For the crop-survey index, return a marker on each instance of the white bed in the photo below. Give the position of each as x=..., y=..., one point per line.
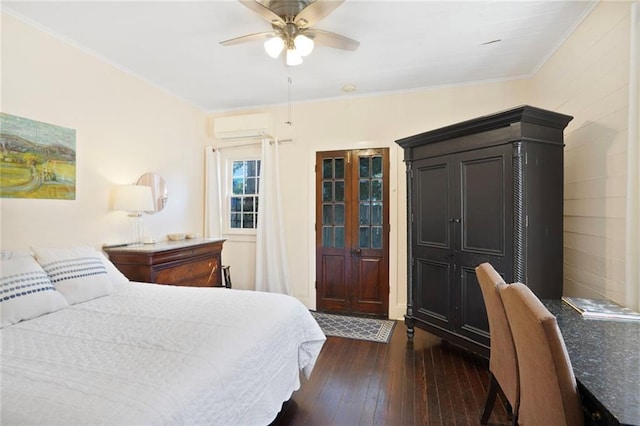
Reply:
x=152, y=354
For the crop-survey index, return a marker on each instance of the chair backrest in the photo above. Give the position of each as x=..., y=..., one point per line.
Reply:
x=548, y=389
x=502, y=361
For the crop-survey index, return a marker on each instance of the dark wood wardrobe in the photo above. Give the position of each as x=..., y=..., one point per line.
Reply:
x=488, y=189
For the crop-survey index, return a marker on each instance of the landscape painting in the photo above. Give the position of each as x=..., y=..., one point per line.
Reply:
x=37, y=160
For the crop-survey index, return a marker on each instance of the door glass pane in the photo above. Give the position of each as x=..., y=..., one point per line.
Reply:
x=327, y=214
x=251, y=168
x=339, y=190
x=376, y=167
x=364, y=214
x=364, y=167
x=339, y=168
x=364, y=190
x=376, y=237
x=339, y=231
x=339, y=212
x=376, y=190
x=376, y=214
x=327, y=168
x=327, y=191
x=364, y=237
x=327, y=236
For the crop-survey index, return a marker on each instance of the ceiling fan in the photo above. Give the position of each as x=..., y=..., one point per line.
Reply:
x=291, y=21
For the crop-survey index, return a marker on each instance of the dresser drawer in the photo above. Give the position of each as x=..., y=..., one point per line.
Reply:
x=188, y=263
x=203, y=272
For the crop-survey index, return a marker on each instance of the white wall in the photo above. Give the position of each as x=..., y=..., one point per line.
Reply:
x=124, y=128
x=588, y=78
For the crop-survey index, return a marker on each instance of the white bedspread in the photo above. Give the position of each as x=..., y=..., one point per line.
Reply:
x=151, y=354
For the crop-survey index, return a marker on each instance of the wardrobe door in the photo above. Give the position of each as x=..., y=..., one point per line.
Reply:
x=483, y=217
x=433, y=242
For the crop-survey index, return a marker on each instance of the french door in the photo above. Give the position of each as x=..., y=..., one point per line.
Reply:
x=352, y=232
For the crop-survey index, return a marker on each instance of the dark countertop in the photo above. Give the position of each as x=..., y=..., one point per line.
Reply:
x=605, y=356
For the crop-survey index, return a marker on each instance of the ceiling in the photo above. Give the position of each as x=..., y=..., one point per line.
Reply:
x=404, y=45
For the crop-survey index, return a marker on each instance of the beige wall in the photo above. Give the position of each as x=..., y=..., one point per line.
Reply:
x=124, y=128
x=588, y=77
x=358, y=123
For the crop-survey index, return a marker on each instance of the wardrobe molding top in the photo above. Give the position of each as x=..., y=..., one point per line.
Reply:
x=522, y=114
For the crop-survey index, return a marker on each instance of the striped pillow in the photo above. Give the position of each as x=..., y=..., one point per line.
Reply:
x=78, y=273
x=26, y=291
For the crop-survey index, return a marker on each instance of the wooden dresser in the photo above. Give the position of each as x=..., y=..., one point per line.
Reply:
x=194, y=262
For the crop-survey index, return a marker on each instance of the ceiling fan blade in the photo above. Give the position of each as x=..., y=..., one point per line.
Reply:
x=263, y=11
x=247, y=38
x=316, y=11
x=337, y=41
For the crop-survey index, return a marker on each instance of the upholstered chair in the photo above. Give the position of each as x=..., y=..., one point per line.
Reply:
x=503, y=367
x=548, y=389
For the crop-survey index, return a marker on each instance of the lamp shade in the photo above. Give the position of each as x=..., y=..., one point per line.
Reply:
x=293, y=57
x=304, y=45
x=133, y=198
x=274, y=46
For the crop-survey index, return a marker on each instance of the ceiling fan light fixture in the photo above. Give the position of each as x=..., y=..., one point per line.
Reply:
x=293, y=57
x=304, y=45
x=274, y=46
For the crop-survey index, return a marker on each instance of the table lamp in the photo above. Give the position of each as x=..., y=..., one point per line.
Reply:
x=134, y=199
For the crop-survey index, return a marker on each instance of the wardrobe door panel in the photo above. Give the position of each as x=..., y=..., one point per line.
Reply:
x=483, y=177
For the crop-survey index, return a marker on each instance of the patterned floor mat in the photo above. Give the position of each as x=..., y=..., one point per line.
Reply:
x=375, y=330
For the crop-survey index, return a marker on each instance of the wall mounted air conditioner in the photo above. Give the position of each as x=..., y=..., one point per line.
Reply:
x=248, y=126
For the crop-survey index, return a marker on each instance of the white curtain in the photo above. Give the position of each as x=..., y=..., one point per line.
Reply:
x=632, y=258
x=213, y=194
x=271, y=257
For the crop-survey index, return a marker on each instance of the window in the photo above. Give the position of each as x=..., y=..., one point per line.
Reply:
x=243, y=201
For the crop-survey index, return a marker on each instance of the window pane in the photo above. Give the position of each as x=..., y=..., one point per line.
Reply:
x=327, y=168
x=376, y=214
x=251, y=168
x=236, y=205
x=250, y=186
x=364, y=167
x=376, y=237
x=237, y=186
x=364, y=190
x=327, y=214
x=376, y=190
x=364, y=214
x=339, y=168
x=258, y=168
x=327, y=191
x=238, y=169
x=339, y=211
x=247, y=220
x=247, y=204
x=376, y=167
x=236, y=220
x=339, y=230
x=339, y=190
x=327, y=236
x=364, y=237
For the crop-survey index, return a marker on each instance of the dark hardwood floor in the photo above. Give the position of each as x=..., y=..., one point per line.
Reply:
x=365, y=383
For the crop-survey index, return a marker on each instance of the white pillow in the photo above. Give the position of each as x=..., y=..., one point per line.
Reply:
x=26, y=291
x=78, y=273
x=114, y=273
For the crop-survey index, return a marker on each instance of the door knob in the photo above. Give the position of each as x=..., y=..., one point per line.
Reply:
x=355, y=252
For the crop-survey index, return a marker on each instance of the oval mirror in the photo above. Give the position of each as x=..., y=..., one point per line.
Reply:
x=158, y=190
